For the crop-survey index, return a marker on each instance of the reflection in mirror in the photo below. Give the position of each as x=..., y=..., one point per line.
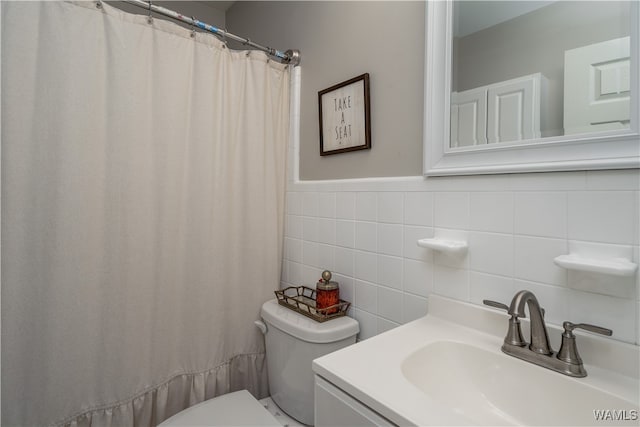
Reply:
x=525, y=70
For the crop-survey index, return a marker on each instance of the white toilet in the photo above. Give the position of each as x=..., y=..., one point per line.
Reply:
x=292, y=341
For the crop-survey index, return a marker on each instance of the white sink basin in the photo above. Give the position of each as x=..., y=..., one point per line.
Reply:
x=496, y=389
x=447, y=369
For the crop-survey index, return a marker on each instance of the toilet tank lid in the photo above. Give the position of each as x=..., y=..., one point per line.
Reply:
x=307, y=329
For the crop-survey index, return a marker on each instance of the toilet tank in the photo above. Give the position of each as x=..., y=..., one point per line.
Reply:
x=292, y=341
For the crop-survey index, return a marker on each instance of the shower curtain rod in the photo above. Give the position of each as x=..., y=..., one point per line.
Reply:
x=291, y=56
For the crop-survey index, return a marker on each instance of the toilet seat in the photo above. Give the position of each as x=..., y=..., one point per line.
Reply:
x=234, y=409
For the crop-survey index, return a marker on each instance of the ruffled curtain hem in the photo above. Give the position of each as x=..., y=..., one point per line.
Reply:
x=155, y=404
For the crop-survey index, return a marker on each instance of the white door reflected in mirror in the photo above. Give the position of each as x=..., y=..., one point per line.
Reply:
x=597, y=87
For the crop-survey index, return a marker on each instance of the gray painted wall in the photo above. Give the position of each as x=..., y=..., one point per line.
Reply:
x=536, y=42
x=338, y=41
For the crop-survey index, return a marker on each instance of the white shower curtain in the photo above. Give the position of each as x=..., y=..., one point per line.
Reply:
x=143, y=176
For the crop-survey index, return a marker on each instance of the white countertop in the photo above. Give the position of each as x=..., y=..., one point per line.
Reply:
x=371, y=372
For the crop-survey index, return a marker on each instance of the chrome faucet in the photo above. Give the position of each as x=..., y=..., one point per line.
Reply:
x=539, y=336
x=567, y=361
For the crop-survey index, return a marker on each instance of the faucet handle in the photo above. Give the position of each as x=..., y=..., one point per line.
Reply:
x=495, y=304
x=505, y=307
x=569, y=327
x=502, y=306
x=514, y=334
x=569, y=351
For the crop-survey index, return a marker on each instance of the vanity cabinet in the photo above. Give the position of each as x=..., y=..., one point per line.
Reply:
x=334, y=407
x=501, y=112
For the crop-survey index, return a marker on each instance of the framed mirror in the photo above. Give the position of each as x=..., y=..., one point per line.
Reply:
x=531, y=86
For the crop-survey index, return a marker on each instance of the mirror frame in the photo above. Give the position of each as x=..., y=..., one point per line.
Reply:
x=598, y=150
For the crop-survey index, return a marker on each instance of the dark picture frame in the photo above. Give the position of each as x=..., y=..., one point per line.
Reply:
x=345, y=116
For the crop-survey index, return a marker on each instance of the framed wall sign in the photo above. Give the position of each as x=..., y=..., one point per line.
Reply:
x=345, y=118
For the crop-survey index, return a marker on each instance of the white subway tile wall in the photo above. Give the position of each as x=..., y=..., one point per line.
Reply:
x=492, y=212
x=345, y=233
x=365, y=231
x=327, y=231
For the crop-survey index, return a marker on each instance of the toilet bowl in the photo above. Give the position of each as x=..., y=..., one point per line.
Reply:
x=239, y=408
x=292, y=341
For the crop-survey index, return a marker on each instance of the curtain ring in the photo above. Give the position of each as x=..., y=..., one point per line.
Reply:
x=193, y=27
x=150, y=18
x=99, y=4
x=224, y=38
